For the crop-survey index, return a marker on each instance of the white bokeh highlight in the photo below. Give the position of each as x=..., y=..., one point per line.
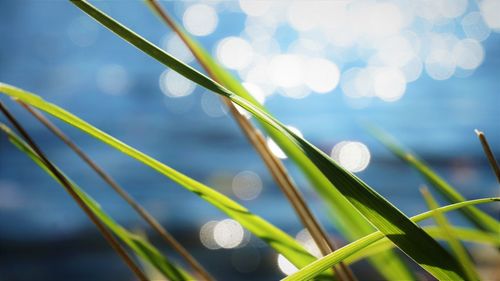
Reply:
x=275, y=149
x=285, y=265
x=234, y=53
x=228, y=234
x=352, y=155
x=174, y=85
x=113, y=79
x=247, y=185
x=200, y=19
x=322, y=76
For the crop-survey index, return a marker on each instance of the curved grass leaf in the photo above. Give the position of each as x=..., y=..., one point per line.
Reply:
x=463, y=234
x=349, y=222
x=410, y=238
x=341, y=254
x=476, y=216
x=141, y=247
x=270, y=234
x=455, y=245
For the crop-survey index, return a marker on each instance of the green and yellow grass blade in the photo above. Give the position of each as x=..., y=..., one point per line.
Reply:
x=463, y=234
x=270, y=234
x=315, y=268
x=476, y=216
x=410, y=238
x=455, y=245
x=141, y=247
x=350, y=223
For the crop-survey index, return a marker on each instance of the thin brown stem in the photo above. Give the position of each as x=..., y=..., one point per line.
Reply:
x=68, y=187
x=489, y=154
x=118, y=189
x=276, y=167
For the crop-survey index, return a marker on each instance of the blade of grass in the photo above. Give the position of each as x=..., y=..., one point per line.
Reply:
x=410, y=238
x=315, y=268
x=349, y=221
x=120, y=191
x=272, y=235
x=457, y=248
x=141, y=247
x=275, y=166
x=67, y=185
x=489, y=154
x=476, y=216
x=464, y=234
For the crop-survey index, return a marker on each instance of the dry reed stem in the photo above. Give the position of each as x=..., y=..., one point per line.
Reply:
x=118, y=189
x=67, y=185
x=489, y=154
x=277, y=169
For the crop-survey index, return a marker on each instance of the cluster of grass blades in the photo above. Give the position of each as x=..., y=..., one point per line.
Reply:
x=371, y=223
x=475, y=216
x=350, y=223
x=138, y=245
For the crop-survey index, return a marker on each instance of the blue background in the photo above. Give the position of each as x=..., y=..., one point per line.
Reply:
x=43, y=234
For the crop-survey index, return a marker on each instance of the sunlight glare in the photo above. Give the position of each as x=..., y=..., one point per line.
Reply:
x=352, y=155
x=234, y=52
x=200, y=19
x=228, y=234
x=440, y=64
x=286, y=266
x=468, y=54
x=322, y=76
x=389, y=84
x=474, y=26
x=286, y=70
x=174, y=85
x=490, y=10
x=275, y=149
x=247, y=185
x=174, y=45
x=207, y=235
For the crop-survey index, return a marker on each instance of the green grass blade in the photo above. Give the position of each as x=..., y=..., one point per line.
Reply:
x=411, y=239
x=275, y=237
x=456, y=246
x=476, y=216
x=463, y=234
x=315, y=268
x=141, y=247
x=350, y=223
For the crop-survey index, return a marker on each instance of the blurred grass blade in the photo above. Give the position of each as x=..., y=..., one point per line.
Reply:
x=274, y=165
x=489, y=154
x=463, y=234
x=141, y=211
x=108, y=236
x=141, y=247
x=350, y=223
x=456, y=246
x=476, y=216
x=410, y=238
x=275, y=237
x=315, y=268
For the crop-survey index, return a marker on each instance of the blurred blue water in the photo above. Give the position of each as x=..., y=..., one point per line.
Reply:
x=434, y=118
